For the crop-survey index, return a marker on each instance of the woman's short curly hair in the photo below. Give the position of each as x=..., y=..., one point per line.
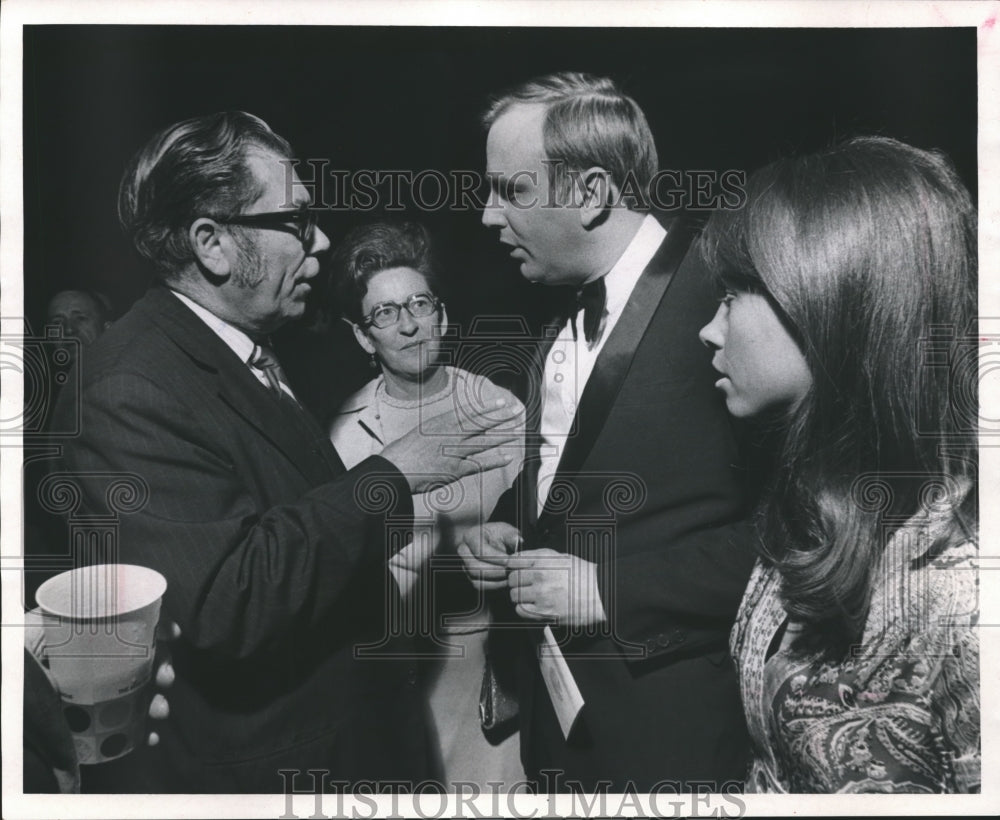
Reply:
x=369, y=249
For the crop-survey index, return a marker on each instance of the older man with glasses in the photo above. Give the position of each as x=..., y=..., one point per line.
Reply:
x=275, y=557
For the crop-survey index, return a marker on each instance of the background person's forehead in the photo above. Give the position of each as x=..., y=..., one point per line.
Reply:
x=399, y=278
x=73, y=300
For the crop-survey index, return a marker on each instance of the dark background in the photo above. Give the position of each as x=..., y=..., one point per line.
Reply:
x=409, y=98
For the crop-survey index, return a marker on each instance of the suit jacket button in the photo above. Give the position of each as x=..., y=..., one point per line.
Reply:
x=411, y=677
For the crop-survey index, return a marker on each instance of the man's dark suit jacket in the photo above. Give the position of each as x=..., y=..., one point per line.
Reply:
x=647, y=487
x=275, y=569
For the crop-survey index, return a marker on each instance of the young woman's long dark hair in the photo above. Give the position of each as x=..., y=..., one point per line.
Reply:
x=868, y=252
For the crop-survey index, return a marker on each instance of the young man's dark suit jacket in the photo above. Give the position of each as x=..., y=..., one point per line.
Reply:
x=651, y=449
x=275, y=570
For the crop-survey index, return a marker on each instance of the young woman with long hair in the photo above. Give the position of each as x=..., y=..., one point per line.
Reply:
x=847, y=328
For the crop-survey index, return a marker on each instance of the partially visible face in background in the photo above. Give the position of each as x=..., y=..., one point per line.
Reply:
x=79, y=316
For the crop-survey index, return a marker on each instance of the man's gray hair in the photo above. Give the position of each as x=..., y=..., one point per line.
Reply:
x=190, y=169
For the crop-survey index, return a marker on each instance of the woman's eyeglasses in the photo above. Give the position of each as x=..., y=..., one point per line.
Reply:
x=386, y=314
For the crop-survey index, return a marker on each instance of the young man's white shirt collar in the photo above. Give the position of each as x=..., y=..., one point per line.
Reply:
x=569, y=363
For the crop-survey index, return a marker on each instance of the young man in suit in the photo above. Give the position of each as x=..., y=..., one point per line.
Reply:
x=275, y=557
x=628, y=520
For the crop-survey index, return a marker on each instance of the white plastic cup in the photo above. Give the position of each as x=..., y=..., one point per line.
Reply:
x=100, y=642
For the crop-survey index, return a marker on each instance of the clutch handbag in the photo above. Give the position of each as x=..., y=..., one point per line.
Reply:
x=497, y=705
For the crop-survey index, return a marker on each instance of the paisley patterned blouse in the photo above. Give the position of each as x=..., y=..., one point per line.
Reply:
x=900, y=712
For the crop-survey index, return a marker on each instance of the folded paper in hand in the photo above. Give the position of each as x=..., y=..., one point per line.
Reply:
x=563, y=691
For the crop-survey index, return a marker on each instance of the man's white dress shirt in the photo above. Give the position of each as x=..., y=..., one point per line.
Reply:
x=570, y=362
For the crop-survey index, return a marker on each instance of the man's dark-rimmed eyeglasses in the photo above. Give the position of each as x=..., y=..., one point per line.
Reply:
x=303, y=222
